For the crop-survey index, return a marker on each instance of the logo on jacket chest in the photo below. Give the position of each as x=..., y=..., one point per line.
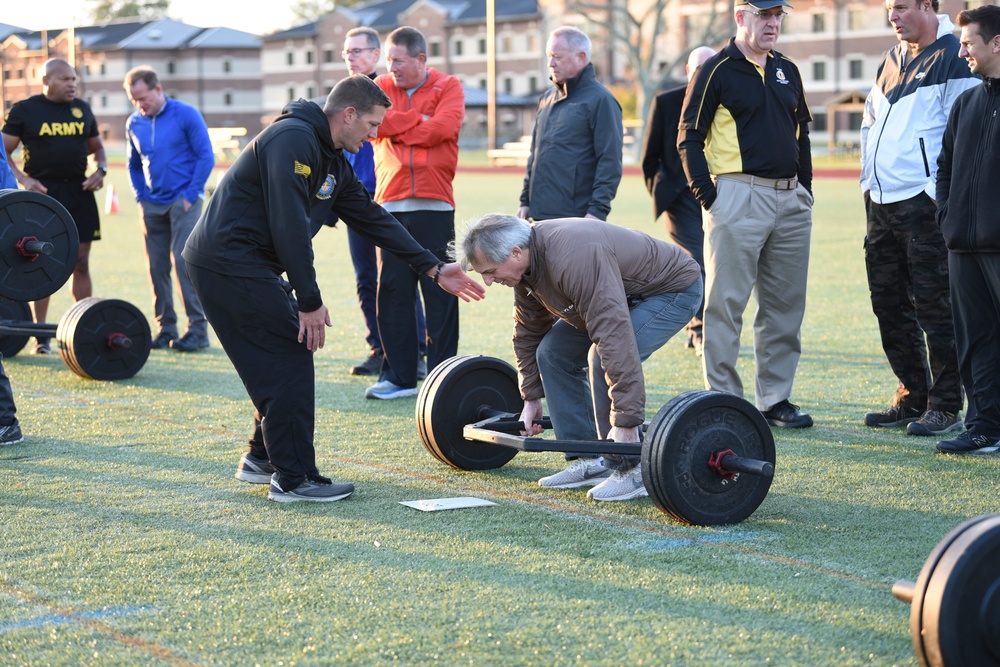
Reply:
x=326, y=191
x=780, y=74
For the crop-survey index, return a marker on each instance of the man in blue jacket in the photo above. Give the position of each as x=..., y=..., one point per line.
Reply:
x=967, y=199
x=170, y=158
x=10, y=430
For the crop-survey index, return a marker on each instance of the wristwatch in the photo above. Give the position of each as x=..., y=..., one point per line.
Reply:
x=101, y=168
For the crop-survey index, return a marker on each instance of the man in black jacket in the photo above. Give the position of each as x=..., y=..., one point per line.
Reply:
x=967, y=199
x=575, y=163
x=666, y=182
x=258, y=225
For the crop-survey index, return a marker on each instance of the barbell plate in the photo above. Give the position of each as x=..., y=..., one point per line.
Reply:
x=675, y=452
x=31, y=214
x=13, y=311
x=961, y=602
x=451, y=397
x=84, y=335
x=920, y=587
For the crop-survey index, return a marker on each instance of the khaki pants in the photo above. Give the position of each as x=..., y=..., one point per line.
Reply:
x=756, y=242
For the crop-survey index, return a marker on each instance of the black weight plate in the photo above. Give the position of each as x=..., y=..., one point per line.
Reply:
x=25, y=214
x=961, y=604
x=450, y=399
x=85, y=332
x=920, y=587
x=679, y=441
x=13, y=311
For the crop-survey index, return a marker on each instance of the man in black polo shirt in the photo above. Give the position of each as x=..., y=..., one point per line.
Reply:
x=59, y=131
x=744, y=143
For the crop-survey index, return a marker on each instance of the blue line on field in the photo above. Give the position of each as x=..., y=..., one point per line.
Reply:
x=63, y=619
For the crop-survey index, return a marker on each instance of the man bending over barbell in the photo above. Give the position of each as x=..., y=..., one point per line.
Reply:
x=592, y=301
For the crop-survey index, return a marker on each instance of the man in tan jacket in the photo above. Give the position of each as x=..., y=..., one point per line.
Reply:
x=592, y=301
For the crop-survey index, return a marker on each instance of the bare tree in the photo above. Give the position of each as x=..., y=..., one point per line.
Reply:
x=640, y=26
x=311, y=10
x=102, y=11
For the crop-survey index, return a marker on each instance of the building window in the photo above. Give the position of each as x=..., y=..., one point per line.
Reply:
x=227, y=65
x=508, y=85
x=291, y=94
x=482, y=84
x=819, y=22
x=310, y=92
x=435, y=49
x=855, y=118
x=856, y=69
x=532, y=83
x=309, y=57
x=227, y=99
x=104, y=68
x=856, y=19
x=819, y=71
x=104, y=101
x=328, y=55
x=507, y=44
x=171, y=67
x=290, y=58
x=532, y=43
x=458, y=47
x=482, y=46
x=819, y=121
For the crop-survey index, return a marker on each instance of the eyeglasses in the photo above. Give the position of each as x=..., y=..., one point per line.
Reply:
x=356, y=52
x=767, y=16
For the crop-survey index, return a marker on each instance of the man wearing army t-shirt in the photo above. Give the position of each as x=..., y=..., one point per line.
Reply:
x=58, y=132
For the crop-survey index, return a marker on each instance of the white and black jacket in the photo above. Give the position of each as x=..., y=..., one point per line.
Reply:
x=905, y=116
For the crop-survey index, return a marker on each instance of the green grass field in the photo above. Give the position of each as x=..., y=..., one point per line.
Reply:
x=126, y=540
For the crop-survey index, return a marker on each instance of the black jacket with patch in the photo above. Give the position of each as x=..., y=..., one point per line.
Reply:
x=261, y=219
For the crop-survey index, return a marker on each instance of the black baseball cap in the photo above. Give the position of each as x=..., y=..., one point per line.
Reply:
x=763, y=4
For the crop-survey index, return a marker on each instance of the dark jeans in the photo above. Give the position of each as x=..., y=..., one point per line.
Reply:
x=908, y=278
x=397, y=286
x=366, y=276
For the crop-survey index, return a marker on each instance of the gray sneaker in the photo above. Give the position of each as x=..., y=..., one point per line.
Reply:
x=622, y=485
x=11, y=434
x=254, y=470
x=386, y=391
x=317, y=490
x=582, y=472
x=935, y=422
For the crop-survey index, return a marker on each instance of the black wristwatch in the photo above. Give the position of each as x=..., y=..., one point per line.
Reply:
x=102, y=169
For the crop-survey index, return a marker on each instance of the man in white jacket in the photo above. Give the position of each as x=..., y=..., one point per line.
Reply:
x=906, y=113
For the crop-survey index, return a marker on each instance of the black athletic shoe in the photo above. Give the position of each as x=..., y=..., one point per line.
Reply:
x=370, y=366
x=11, y=434
x=163, y=341
x=190, y=342
x=314, y=489
x=786, y=415
x=254, y=470
x=897, y=415
x=935, y=422
x=41, y=346
x=969, y=443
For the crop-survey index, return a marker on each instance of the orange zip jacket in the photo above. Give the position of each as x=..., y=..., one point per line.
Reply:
x=416, y=157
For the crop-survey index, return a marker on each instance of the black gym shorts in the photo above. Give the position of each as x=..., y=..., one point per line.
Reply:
x=82, y=207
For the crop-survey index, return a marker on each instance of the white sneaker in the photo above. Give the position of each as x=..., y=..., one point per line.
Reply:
x=582, y=472
x=386, y=390
x=622, y=485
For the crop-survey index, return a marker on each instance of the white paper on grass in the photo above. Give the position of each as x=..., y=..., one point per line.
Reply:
x=437, y=504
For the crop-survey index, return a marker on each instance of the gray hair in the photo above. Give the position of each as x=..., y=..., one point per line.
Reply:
x=576, y=40
x=373, y=39
x=491, y=238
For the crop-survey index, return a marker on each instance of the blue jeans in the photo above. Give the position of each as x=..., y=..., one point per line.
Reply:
x=570, y=366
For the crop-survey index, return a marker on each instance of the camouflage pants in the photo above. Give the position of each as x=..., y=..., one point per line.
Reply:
x=908, y=278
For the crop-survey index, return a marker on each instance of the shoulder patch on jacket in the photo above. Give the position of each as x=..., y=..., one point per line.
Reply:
x=302, y=169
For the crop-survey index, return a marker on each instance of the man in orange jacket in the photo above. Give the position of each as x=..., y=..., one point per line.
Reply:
x=416, y=153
